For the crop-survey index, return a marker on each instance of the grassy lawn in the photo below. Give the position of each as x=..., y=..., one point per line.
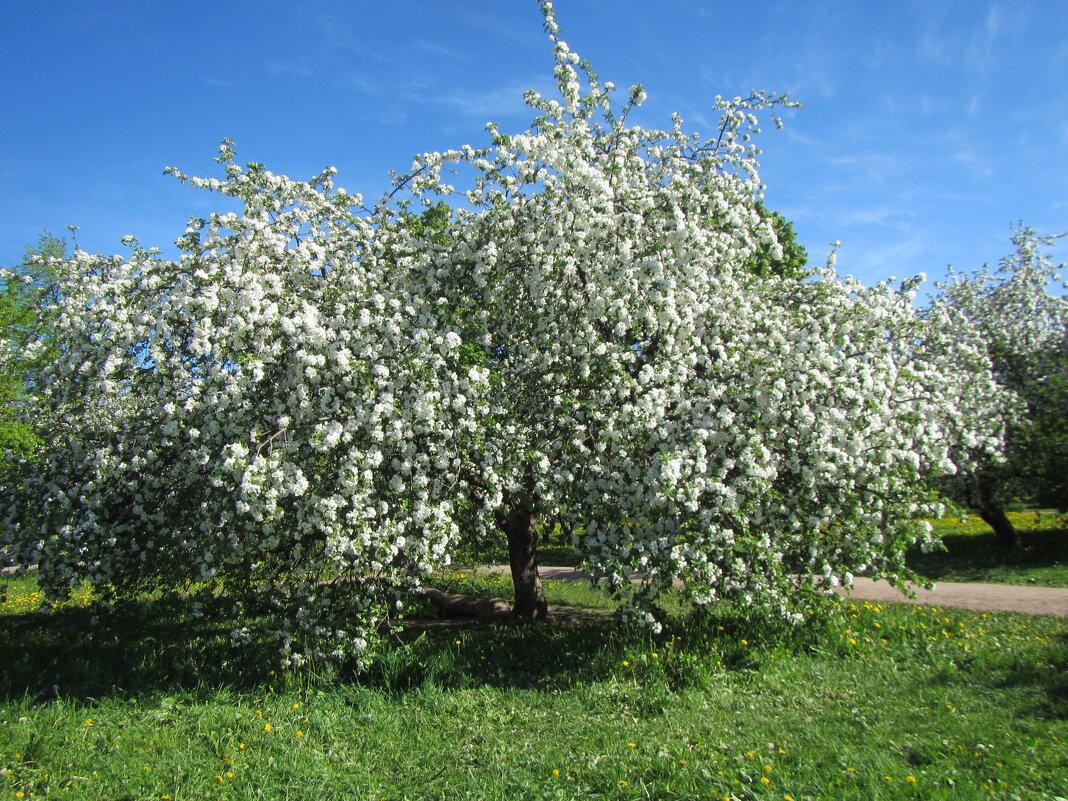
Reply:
x=876, y=702
x=973, y=554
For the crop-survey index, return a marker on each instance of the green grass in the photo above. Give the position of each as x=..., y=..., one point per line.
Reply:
x=874, y=702
x=973, y=554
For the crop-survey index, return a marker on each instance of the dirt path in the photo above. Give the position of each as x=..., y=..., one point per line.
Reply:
x=983, y=597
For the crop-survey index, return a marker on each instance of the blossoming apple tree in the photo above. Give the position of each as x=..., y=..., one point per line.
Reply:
x=1023, y=328
x=313, y=399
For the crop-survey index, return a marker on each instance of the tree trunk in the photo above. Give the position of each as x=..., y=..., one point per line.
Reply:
x=993, y=514
x=520, y=523
x=995, y=517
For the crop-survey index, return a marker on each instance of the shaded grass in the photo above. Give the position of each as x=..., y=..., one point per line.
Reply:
x=863, y=702
x=973, y=553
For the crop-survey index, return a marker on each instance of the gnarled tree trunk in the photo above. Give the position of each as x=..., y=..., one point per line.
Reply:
x=519, y=521
x=993, y=514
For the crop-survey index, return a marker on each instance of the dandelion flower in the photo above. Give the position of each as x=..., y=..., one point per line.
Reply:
x=556, y=772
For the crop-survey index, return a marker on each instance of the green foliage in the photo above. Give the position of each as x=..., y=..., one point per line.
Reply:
x=26, y=305
x=794, y=261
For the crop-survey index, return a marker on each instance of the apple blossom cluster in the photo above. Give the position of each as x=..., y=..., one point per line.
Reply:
x=314, y=398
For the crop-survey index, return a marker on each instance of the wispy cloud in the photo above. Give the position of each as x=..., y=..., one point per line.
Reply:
x=439, y=50
x=973, y=41
x=289, y=69
x=503, y=101
x=220, y=82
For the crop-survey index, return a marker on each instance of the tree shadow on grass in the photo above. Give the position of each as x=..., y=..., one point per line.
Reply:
x=979, y=557
x=149, y=648
x=128, y=648
x=1048, y=678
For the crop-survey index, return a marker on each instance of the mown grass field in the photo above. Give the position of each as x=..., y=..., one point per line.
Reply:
x=140, y=701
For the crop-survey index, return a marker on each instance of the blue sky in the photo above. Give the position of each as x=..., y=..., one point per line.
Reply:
x=929, y=126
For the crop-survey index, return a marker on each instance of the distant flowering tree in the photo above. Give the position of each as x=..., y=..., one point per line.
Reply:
x=1023, y=328
x=316, y=395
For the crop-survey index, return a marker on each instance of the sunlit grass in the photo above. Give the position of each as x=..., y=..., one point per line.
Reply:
x=140, y=699
x=973, y=553
x=874, y=701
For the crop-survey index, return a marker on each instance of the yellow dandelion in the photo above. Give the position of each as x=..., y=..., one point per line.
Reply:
x=626, y=663
x=622, y=783
x=268, y=727
x=655, y=655
x=632, y=745
x=240, y=746
x=219, y=779
x=767, y=768
x=765, y=780
x=296, y=706
x=298, y=733
x=911, y=779
x=556, y=772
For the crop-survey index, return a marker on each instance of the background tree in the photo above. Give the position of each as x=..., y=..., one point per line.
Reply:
x=792, y=263
x=27, y=300
x=1023, y=329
